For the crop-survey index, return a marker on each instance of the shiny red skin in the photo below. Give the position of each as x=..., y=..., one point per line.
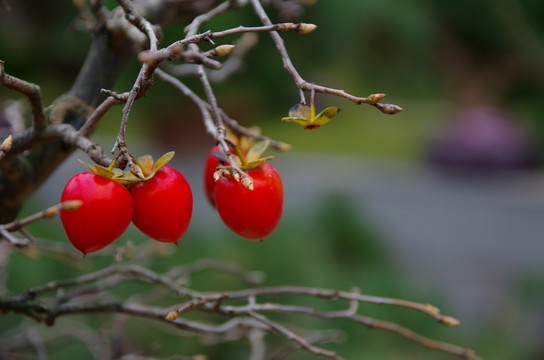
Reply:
x=163, y=206
x=252, y=214
x=209, y=169
x=104, y=216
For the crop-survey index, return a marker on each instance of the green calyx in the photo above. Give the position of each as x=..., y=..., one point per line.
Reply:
x=251, y=160
x=145, y=163
x=305, y=115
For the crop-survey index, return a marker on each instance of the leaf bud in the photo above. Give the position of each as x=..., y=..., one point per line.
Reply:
x=136, y=171
x=391, y=109
x=71, y=205
x=284, y=147
x=223, y=50
x=50, y=212
x=450, y=321
x=6, y=144
x=171, y=316
x=375, y=98
x=217, y=175
x=247, y=182
x=304, y=28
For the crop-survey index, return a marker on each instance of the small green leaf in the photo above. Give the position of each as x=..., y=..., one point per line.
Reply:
x=255, y=163
x=128, y=178
x=163, y=160
x=117, y=173
x=326, y=115
x=300, y=121
x=99, y=170
x=257, y=150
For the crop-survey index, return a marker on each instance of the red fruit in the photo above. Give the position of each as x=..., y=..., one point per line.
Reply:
x=252, y=214
x=104, y=215
x=163, y=205
x=209, y=169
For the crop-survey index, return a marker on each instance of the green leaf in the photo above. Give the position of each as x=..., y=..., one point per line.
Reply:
x=300, y=121
x=163, y=160
x=257, y=150
x=99, y=170
x=255, y=163
x=128, y=178
x=326, y=115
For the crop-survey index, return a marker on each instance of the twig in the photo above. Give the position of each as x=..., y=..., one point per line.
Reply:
x=280, y=329
x=250, y=277
x=6, y=229
x=204, y=108
x=101, y=280
x=221, y=136
x=258, y=345
x=31, y=91
x=201, y=19
x=230, y=66
x=241, y=130
x=303, y=84
x=140, y=22
x=97, y=114
x=427, y=309
x=185, y=90
x=350, y=315
x=141, y=85
x=320, y=337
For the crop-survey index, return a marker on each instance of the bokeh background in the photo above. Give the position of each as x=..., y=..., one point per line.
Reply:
x=442, y=203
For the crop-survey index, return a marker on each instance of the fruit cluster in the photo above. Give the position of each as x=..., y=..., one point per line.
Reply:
x=161, y=207
x=160, y=204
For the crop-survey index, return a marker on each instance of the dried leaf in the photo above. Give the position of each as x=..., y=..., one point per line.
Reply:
x=300, y=111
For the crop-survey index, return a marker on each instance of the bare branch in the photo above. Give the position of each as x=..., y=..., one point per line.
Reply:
x=250, y=277
x=303, y=84
x=6, y=229
x=102, y=109
x=280, y=329
x=141, y=23
x=31, y=91
x=185, y=90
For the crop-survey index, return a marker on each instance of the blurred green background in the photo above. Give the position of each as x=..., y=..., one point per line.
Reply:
x=441, y=203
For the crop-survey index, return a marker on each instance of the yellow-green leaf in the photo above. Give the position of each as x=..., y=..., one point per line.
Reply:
x=257, y=150
x=300, y=121
x=163, y=160
x=326, y=115
x=253, y=164
x=99, y=170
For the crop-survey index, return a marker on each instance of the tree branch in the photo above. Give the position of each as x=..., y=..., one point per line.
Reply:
x=31, y=91
x=303, y=84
